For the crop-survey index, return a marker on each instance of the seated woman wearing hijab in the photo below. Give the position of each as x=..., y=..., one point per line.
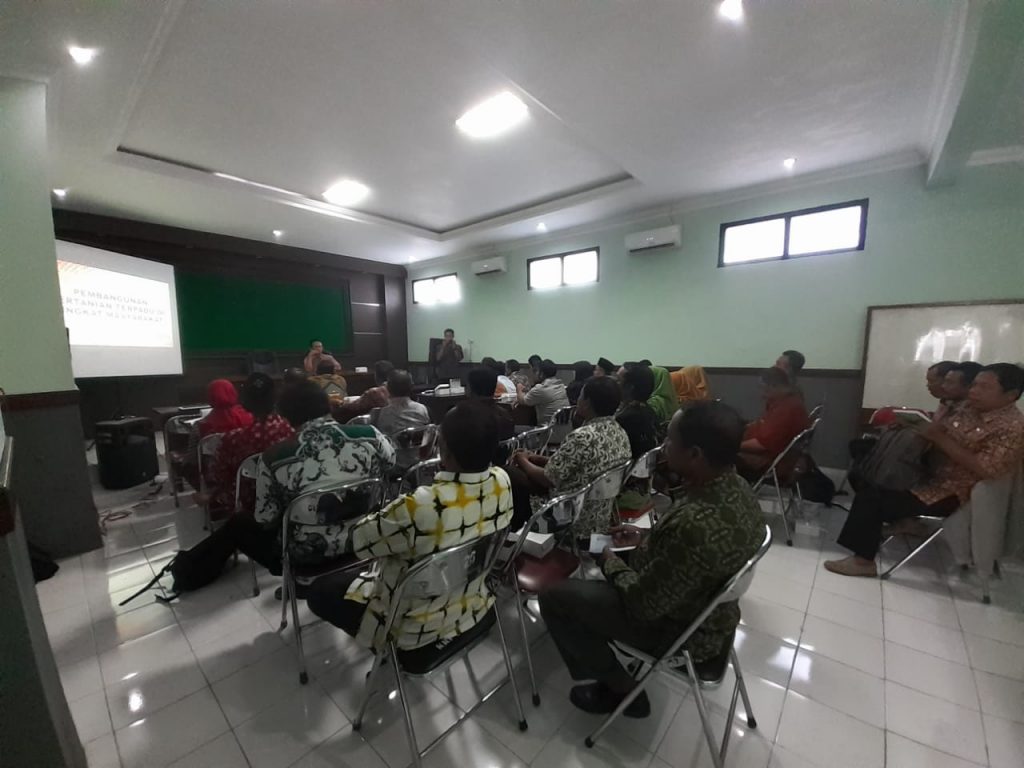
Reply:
x=225, y=415
x=690, y=383
x=582, y=371
x=663, y=400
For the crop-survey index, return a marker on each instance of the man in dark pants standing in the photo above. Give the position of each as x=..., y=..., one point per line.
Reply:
x=702, y=541
x=978, y=441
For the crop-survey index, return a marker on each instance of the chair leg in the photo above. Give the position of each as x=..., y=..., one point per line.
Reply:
x=303, y=674
x=641, y=685
x=702, y=710
x=526, y=644
x=911, y=556
x=511, y=673
x=285, y=591
x=371, y=679
x=255, y=580
x=409, y=731
x=785, y=521
x=742, y=685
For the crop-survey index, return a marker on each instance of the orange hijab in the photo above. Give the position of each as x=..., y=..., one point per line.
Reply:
x=690, y=383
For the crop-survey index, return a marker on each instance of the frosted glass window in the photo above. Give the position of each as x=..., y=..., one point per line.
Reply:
x=546, y=273
x=436, y=290
x=579, y=268
x=576, y=268
x=834, y=230
x=757, y=241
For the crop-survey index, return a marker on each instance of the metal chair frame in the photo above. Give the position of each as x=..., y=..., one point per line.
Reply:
x=438, y=574
x=607, y=486
x=561, y=425
x=179, y=425
x=644, y=468
x=365, y=419
x=885, y=575
x=732, y=590
x=247, y=470
x=206, y=450
x=797, y=446
x=538, y=436
x=414, y=475
x=816, y=412
x=312, y=497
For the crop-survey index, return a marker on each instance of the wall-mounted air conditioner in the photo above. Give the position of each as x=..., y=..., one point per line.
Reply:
x=496, y=265
x=653, y=239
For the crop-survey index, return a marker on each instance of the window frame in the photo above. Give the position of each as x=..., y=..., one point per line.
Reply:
x=412, y=287
x=787, y=218
x=596, y=250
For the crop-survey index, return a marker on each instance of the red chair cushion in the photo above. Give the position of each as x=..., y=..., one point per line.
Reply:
x=537, y=575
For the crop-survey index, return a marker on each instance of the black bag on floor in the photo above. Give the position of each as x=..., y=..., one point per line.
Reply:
x=194, y=568
x=814, y=484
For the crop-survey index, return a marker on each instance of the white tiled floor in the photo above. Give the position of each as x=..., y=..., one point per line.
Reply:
x=841, y=672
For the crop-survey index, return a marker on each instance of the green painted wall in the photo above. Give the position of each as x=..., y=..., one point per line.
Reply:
x=956, y=243
x=34, y=355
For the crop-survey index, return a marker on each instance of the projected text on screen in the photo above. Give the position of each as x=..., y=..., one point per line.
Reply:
x=104, y=308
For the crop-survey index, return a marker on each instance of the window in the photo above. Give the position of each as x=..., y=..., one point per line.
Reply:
x=436, y=290
x=576, y=268
x=808, y=232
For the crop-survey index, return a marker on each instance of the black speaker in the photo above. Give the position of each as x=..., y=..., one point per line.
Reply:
x=125, y=452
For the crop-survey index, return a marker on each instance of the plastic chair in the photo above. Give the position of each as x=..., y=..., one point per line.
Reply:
x=247, y=472
x=441, y=573
x=783, y=475
x=205, y=453
x=534, y=440
x=668, y=662
x=293, y=574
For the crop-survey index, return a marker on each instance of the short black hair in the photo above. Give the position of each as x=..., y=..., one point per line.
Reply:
x=512, y=365
x=302, y=402
x=646, y=362
x=967, y=370
x=470, y=432
x=548, y=369
x=257, y=395
x=324, y=366
x=638, y=383
x=450, y=330
x=796, y=359
x=607, y=365
x=495, y=365
x=774, y=377
x=603, y=393
x=399, y=383
x=534, y=360
x=943, y=367
x=482, y=381
x=582, y=370
x=1010, y=376
x=715, y=428
x=381, y=369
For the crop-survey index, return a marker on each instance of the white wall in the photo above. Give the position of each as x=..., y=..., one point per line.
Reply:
x=962, y=242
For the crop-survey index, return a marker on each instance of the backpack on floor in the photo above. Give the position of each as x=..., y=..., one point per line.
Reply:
x=814, y=484
x=194, y=568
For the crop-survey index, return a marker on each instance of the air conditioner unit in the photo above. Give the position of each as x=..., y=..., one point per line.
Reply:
x=652, y=239
x=496, y=265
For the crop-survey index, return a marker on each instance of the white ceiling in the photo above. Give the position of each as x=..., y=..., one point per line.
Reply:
x=633, y=103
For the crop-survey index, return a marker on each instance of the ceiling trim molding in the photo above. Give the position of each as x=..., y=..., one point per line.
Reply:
x=997, y=155
x=955, y=52
x=883, y=164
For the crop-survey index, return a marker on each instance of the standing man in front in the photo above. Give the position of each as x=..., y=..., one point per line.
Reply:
x=447, y=358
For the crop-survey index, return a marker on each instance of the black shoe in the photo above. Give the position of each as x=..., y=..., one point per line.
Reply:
x=599, y=699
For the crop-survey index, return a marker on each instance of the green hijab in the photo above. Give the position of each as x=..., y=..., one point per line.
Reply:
x=663, y=401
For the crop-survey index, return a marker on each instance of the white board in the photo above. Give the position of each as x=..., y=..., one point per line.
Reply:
x=903, y=342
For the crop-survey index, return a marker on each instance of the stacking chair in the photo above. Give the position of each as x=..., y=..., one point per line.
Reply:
x=528, y=576
x=783, y=475
x=419, y=474
x=941, y=524
x=246, y=475
x=421, y=440
x=294, y=574
x=561, y=425
x=206, y=451
x=643, y=470
x=366, y=419
x=669, y=662
x=508, y=447
x=535, y=440
x=177, y=430
x=439, y=574
x=607, y=486
x=816, y=412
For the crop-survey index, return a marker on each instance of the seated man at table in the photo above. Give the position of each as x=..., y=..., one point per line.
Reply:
x=375, y=397
x=784, y=417
x=585, y=453
x=702, y=541
x=467, y=500
x=547, y=395
x=981, y=440
x=331, y=382
x=402, y=413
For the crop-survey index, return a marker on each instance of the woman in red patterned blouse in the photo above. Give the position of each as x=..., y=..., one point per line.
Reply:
x=237, y=445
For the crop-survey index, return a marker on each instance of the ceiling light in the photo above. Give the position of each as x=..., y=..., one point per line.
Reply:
x=82, y=56
x=788, y=163
x=542, y=227
x=493, y=116
x=731, y=10
x=278, y=232
x=346, y=192
x=60, y=194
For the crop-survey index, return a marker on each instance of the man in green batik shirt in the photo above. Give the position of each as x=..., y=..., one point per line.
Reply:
x=696, y=547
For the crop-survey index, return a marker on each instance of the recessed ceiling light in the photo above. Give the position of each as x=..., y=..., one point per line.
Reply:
x=82, y=56
x=60, y=194
x=731, y=10
x=493, y=116
x=542, y=227
x=278, y=232
x=788, y=163
x=346, y=192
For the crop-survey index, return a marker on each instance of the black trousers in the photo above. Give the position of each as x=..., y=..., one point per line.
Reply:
x=582, y=617
x=253, y=540
x=873, y=506
x=522, y=489
x=326, y=599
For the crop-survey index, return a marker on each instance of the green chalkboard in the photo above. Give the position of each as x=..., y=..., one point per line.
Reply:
x=218, y=313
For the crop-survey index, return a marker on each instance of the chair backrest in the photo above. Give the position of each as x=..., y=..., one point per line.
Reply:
x=816, y=412
x=608, y=485
x=179, y=425
x=365, y=418
x=645, y=466
x=246, y=475
x=312, y=502
x=419, y=474
x=446, y=572
x=205, y=452
x=561, y=423
x=564, y=509
x=508, y=447
x=262, y=361
x=423, y=437
x=535, y=440
x=785, y=462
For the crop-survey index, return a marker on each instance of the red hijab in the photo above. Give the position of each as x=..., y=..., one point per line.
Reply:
x=227, y=414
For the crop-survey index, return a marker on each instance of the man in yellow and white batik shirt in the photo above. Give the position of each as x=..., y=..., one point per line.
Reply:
x=467, y=500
